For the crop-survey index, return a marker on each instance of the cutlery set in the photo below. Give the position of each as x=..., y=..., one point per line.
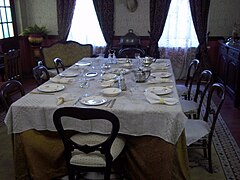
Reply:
x=110, y=103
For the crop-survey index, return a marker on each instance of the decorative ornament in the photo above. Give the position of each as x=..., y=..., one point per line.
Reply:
x=131, y=5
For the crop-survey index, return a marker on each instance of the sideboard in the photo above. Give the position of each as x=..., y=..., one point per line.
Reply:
x=228, y=69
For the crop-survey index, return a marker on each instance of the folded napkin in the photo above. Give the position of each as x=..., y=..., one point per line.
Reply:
x=154, y=99
x=64, y=98
x=159, y=80
x=61, y=80
x=160, y=66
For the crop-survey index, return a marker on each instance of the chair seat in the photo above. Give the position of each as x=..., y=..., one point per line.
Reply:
x=182, y=90
x=95, y=159
x=195, y=130
x=189, y=107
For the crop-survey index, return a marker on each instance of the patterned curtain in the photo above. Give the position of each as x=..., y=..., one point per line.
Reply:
x=65, y=10
x=199, y=10
x=105, y=12
x=158, y=15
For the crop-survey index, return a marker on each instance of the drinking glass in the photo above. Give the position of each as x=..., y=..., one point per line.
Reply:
x=84, y=83
x=138, y=59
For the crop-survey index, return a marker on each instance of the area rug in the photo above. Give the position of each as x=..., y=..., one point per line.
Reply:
x=226, y=156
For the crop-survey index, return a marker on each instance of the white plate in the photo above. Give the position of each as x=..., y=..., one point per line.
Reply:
x=83, y=63
x=119, y=70
x=93, y=100
x=68, y=74
x=111, y=92
x=108, y=83
x=161, y=74
x=91, y=74
x=127, y=65
x=109, y=76
x=51, y=87
x=121, y=60
x=160, y=90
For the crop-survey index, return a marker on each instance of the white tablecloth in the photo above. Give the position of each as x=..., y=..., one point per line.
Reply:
x=137, y=116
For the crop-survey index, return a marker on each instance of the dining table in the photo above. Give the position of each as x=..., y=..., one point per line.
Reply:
x=150, y=115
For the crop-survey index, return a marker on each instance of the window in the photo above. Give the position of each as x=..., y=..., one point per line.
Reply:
x=85, y=27
x=179, y=30
x=6, y=22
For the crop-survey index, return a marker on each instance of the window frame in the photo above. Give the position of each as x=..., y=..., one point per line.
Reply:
x=14, y=23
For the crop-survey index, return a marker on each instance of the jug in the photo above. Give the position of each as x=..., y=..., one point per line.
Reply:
x=142, y=74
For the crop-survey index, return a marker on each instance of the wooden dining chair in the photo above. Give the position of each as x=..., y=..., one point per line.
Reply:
x=58, y=63
x=184, y=90
x=40, y=74
x=12, y=65
x=10, y=91
x=199, y=133
x=193, y=106
x=130, y=52
x=86, y=152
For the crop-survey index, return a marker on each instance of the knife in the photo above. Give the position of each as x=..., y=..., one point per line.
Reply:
x=112, y=103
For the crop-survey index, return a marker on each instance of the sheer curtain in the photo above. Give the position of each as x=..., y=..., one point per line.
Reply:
x=85, y=27
x=179, y=40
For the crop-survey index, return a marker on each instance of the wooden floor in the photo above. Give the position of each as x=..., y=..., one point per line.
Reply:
x=230, y=114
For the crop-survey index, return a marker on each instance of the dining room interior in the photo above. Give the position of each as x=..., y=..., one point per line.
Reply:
x=125, y=57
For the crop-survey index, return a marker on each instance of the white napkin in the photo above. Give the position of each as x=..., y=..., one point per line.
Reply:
x=159, y=80
x=161, y=66
x=61, y=80
x=154, y=99
x=64, y=98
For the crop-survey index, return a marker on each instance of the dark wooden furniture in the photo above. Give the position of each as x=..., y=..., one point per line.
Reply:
x=12, y=65
x=40, y=74
x=10, y=91
x=202, y=127
x=2, y=67
x=130, y=52
x=58, y=65
x=89, y=152
x=228, y=69
x=192, y=108
x=186, y=89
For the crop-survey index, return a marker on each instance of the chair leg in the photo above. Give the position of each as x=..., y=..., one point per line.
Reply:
x=210, y=158
x=204, y=149
x=107, y=171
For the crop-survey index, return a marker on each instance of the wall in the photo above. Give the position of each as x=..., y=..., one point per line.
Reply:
x=223, y=14
x=137, y=20
x=40, y=12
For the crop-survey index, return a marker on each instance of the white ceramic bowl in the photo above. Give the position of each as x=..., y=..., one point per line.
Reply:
x=111, y=92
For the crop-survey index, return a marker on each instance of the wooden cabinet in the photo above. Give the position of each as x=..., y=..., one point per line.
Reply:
x=228, y=70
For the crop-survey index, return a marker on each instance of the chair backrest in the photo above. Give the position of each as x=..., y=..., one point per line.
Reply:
x=40, y=74
x=83, y=114
x=58, y=65
x=86, y=114
x=191, y=73
x=12, y=65
x=218, y=91
x=130, y=52
x=203, y=83
x=10, y=91
x=68, y=51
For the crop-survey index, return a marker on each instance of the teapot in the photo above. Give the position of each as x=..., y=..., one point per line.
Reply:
x=142, y=74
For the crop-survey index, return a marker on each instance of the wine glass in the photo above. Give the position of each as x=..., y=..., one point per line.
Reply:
x=84, y=83
x=138, y=58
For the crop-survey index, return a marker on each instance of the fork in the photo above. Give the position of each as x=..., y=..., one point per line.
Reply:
x=108, y=103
